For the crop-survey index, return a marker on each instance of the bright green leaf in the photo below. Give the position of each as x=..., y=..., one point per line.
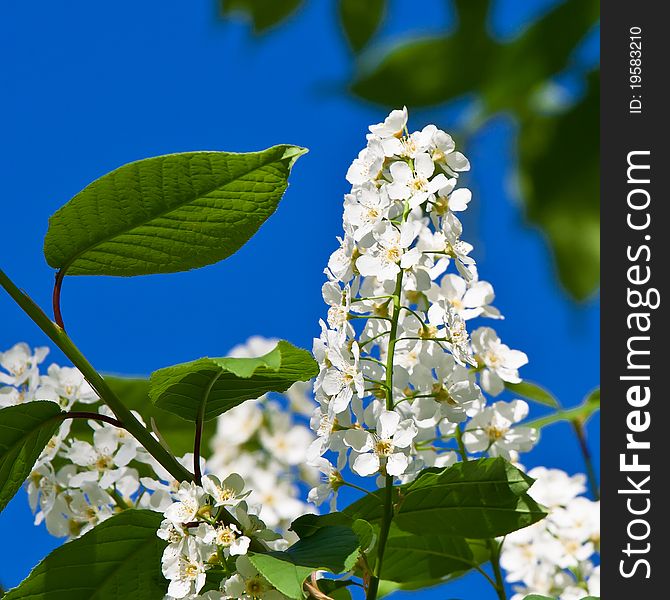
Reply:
x=212, y=386
x=332, y=548
x=168, y=213
x=476, y=499
x=360, y=20
x=25, y=430
x=581, y=413
x=427, y=558
x=532, y=391
x=117, y=560
x=264, y=14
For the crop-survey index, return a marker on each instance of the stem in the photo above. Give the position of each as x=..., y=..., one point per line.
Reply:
x=58, y=317
x=373, y=588
x=125, y=417
x=461, y=446
x=199, y=425
x=588, y=461
x=92, y=416
x=61, y=339
x=499, y=586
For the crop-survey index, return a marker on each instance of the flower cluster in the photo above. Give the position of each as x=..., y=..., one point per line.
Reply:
x=401, y=378
x=210, y=528
x=554, y=557
x=90, y=470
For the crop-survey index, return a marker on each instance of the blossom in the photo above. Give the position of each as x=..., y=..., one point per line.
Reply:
x=328, y=488
x=491, y=430
x=499, y=363
x=185, y=570
x=227, y=492
x=415, y=184
x=383, y=451
x=21, y=364
x=190, y=499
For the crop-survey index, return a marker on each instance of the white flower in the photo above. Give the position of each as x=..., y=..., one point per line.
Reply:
x=331, y=483
x=228, y=492
x=343, y=378
x=469, y=302
x=393, y=126
x=339, y=301
x=385, y=450
x=491, y=430
x=553, y=487
x=229, y=537
x=499, y=363
x=287, y=444
x=365, y=209
x=21, y=364
x=190, y=499
x=66, y=385
x=185, y=570
x=368, y=165
x=415, y=184
x=593, y=582
x=388, y=255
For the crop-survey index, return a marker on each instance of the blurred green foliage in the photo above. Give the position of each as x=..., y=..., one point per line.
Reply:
x=558, y=144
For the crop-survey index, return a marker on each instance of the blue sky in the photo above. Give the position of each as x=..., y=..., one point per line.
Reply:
x=86, y=89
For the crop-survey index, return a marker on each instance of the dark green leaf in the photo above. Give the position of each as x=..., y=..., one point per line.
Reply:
x=309, y=524
x=532, y=391
x=332, y=548
x=25, y=430
x=263, y=14
x=168, y=213
x=561, y=187
x=360, y=20
x=215, y=385
x=427, y=558
x=476, y=499
x=117, y=560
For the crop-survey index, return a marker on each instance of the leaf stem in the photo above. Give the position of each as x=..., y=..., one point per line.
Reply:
x=125, y=416
x=58, y=317
x=373, y=588
x=75, y=414
x=578, y=426
x=499, y=586
x=199, y=425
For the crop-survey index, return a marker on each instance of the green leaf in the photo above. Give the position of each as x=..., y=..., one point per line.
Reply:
x=532, y=391
x=118, y=559
x=25, y=430
x=212, y=386
x=264, y=14
x=331, y=548
x=360, y=20
x=168, y=213
x=476, y=499
x=427, y=558
x=566, y=208
x=581, y=413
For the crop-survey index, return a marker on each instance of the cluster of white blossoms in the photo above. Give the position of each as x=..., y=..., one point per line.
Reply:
x=90, y=470
x=399, y=390
x=403, y=386
x=210, y=528
x=554, y=557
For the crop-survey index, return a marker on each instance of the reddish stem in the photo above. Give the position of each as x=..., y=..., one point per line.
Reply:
x=58, y=317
